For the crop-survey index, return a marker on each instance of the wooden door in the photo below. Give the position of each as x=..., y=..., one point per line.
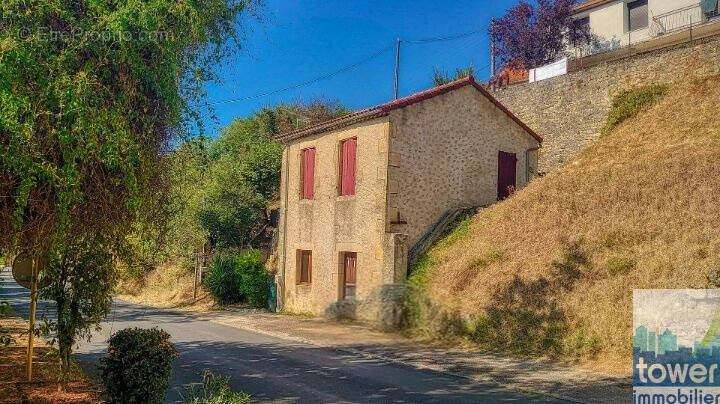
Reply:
x=349, y=275
x=506, y=174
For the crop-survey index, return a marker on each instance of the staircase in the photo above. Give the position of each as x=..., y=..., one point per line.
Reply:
x=437, y=231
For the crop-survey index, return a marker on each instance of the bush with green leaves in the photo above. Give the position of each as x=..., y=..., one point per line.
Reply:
x=223, y=281
x=213, y=390
x=138, y=365
x=628, y=103
x=239, y=278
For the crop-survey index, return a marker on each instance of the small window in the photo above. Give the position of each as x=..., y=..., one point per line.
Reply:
x=307, y=173
x=349, y=275
x=304, y=266
x=581, y=24
x=348, y=150
x=637, y=15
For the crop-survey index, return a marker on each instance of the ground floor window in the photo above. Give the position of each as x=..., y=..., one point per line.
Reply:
x=348, y=274
x=304, y=266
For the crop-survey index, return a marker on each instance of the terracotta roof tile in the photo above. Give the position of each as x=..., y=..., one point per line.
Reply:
x=384, y=109
x=589, y=4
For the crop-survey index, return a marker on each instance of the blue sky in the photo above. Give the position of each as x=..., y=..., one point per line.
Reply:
x=298, y=40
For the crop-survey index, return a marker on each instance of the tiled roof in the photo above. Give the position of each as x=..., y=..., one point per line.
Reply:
x=589, y=4
x=384, y=109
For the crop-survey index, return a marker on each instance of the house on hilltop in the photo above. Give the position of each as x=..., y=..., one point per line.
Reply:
x=617, y=23
x=358, y=192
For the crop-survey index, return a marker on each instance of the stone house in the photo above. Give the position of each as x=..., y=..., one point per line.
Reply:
x=358, y=191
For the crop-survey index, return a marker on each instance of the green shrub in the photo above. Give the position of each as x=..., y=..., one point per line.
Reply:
x=254, y=279
x=619, y=264
x=213, y=390
x=223, y=281
x=239, y=278
x=138, y=365
x=628, y=103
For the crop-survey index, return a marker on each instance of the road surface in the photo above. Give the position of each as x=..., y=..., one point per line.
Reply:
x=271, y=369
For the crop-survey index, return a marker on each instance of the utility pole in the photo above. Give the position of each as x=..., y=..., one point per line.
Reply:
x=492, y=57
x=397, y=66
x=33, y=308
x=492, y=49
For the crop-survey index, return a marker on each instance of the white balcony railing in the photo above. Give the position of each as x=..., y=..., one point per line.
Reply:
x=681, y=19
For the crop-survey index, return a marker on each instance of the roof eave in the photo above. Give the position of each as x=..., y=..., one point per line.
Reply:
x=327, y=126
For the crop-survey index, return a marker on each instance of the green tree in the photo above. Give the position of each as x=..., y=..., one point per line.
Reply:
x=80, y=279
x=91, y=95
x=441, y=77
x=243, y=171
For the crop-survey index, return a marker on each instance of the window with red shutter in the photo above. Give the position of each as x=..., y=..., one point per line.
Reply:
x=348, y=149
x=307, y=173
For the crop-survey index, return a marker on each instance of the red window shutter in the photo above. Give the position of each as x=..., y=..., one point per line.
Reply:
x=347, y=171
x=307, y=190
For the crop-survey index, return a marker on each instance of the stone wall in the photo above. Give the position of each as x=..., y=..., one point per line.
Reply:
x=444, y=155
x=328, y=224
x=569, y=111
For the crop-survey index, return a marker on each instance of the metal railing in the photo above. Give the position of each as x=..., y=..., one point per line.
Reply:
x=681, y=19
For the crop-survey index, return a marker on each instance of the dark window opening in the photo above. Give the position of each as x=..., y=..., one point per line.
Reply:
x=637, y=15
x=349, y=275
x=304, y=266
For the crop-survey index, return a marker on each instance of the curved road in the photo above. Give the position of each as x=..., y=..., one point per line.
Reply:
x=272, y=369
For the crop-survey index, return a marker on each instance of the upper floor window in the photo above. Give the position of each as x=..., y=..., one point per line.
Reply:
x=637, y=15
x=348, y=149
x=307, y=173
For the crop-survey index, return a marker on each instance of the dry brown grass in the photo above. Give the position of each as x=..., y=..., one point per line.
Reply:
x=638, y=209
x=167, y=286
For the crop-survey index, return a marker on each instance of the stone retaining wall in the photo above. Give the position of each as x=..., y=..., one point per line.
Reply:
x=569, y=111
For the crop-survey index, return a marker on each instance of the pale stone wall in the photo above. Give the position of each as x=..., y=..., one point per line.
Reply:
x=330, y=224
x=444, y=155
x=569, y=111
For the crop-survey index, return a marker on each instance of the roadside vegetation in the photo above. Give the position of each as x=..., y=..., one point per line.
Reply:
x=85, y=129
x=137, y=366
x=550, y=271
x=220, y=196
x=214, y=389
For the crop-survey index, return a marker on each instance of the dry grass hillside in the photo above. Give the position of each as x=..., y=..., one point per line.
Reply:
x=168, y=286
x=550, y=271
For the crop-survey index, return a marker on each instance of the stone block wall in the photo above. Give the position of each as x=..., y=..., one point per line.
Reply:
x=569, y=111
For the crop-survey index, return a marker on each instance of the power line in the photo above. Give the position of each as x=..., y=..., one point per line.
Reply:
x=311, y=81
x=440, y=39
x=345, y=68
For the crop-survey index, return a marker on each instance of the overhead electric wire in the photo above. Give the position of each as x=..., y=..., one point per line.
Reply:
x=345, y=68
x=308, y=82
x=440, y=39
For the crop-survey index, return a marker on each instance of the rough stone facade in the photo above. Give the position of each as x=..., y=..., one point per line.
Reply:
x=443, y=155
x=330, y=224
x=413, y=165
x=569, y=111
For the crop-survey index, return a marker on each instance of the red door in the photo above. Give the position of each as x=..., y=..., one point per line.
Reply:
x=349, y=275
x=506, y=174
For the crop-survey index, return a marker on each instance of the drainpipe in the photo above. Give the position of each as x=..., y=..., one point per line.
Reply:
x=281, y=285
x=527, y=162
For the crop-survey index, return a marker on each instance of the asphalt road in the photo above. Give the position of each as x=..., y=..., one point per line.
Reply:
x=272, y=369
